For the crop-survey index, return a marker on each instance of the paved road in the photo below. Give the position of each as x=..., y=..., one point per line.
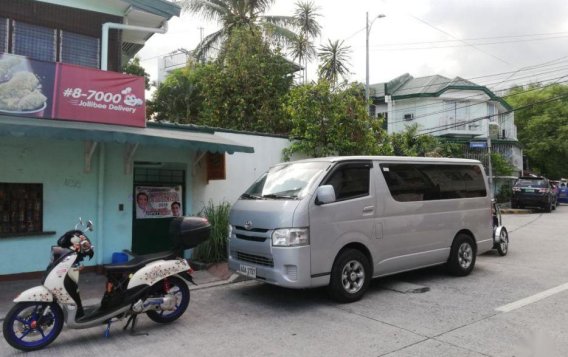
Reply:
x=456, y=317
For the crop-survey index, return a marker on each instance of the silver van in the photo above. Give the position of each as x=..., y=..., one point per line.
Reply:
x=340, y=221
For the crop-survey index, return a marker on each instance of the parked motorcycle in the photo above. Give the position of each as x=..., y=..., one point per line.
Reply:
x=155, y=284
x=500, y=234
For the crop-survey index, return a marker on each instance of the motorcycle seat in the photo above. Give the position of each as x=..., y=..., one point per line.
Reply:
x=138, y=262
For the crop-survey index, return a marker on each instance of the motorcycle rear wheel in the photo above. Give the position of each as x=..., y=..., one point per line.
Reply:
x=177, y=287
x=30, y=326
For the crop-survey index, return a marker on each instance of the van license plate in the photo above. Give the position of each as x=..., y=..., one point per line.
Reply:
x=248, y=270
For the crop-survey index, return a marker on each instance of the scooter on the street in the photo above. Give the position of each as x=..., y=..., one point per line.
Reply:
x=155, y=284
x=500, y=234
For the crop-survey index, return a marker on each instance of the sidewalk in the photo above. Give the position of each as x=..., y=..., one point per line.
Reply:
x=92, y=285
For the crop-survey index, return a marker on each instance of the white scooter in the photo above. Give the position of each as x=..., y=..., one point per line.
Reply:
x=500, y=234
x=155, y=284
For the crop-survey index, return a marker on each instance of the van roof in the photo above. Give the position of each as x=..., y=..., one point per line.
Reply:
x=393, y=159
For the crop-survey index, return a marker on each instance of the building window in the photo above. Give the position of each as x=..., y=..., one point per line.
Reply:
x=34, y=41
x=79, y=49
x=21, y=208
x=3, y=34
x=49, y=44
x=408, y=116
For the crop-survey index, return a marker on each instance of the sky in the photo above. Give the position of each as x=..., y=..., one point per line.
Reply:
x=496, y=43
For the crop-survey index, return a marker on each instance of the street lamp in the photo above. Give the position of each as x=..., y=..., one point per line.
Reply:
x=368, y=29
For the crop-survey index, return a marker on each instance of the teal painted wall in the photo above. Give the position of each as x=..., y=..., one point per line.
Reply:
x=70, y=193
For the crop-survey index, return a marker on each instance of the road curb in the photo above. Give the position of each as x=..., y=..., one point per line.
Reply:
x=515, y=211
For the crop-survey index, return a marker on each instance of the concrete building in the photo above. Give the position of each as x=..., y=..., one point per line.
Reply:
x=74, y=141
x=455, y=109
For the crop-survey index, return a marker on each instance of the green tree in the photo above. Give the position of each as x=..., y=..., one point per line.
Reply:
x=500, y=166
x=133, y=67
x=409, y=143
x=334, y=61
x=178, y=98
x=246, y=89
x=238, y=14
x=542, y=124
x=327, y=122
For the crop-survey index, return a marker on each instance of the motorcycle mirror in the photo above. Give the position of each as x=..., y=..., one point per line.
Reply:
x=79, y=224
x=90, y=226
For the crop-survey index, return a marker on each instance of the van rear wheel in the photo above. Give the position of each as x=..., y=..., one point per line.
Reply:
x=462, y=255
x=350, y=276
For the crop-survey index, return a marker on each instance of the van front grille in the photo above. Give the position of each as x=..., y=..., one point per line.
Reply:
x=256, y=230
x=255, y=259
x=251, y=238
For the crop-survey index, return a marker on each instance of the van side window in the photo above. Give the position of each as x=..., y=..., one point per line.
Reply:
x=424, y=182
x=350, y=181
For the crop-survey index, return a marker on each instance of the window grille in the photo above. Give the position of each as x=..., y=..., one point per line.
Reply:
x=80, y=49
x=21, y=208
x=3, y=34
x=34, y=41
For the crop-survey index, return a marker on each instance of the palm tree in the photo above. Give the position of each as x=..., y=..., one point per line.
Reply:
x=334, y=58
x=232, y=14
x=302, y=48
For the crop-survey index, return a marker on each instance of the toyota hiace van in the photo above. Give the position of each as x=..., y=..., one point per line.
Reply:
x=340, y=221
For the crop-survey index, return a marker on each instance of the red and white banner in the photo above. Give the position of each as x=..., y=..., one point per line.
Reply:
x=68, y=92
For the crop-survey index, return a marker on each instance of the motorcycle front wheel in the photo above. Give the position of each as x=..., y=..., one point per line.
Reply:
x=175, y=287
x=31, y=326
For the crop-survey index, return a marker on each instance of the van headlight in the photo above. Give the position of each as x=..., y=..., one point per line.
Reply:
x=290, y=237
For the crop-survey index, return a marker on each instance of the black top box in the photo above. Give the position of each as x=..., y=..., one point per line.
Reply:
x=189, y=232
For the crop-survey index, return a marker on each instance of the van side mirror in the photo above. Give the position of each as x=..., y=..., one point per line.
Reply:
x=325, y=194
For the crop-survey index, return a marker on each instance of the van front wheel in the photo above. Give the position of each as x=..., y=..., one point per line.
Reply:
x=462, y=255
x=350, y=276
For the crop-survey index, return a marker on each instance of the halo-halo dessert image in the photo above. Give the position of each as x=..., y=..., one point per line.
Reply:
x=21, y=94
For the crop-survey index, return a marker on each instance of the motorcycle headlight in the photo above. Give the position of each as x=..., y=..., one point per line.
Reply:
x=290, y=237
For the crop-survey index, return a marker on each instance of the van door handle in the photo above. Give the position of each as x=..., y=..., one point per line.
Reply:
x=368, y=209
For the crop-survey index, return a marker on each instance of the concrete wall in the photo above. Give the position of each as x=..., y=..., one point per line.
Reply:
x=70, y=193
x=241, y=169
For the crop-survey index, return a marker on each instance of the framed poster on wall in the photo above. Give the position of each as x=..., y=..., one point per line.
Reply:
x=158, y=201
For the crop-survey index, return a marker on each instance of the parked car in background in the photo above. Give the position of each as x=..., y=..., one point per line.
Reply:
x=555, y=189
x=563, y=192
x=537, y=191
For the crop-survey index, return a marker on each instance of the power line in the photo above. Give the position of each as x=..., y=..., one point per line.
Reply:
x=477, y=95
x=478, y=103
x=471, y=79
x=476, y=39
x=449, y=34
x=453, y=125
x=389, y=48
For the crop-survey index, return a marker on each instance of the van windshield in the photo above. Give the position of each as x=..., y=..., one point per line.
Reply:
x=288, y=181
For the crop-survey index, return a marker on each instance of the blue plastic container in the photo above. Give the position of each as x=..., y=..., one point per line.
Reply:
x=119, y=257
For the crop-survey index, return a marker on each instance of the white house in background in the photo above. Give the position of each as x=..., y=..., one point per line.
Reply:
x=455, y=109
x=174, y=60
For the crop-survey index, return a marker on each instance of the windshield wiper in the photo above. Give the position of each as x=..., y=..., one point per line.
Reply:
x=279, y=196
x=248, y=196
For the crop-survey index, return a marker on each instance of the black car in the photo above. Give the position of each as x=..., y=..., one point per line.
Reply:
x=533, y=192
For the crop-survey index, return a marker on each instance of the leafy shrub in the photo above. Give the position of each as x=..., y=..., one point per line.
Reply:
x=214, y=249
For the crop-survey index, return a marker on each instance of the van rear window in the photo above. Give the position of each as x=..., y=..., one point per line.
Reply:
x=428, y=182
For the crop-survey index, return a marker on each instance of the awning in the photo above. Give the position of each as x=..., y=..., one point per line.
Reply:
x=183, y=137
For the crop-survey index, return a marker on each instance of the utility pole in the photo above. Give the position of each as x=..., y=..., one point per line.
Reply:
x=201, y=29
x=367, y=31
x=489, y=156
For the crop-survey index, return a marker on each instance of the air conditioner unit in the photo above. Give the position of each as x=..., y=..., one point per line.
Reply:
x=409, y=116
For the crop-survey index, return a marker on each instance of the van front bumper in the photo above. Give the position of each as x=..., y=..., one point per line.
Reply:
x=283, y=266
